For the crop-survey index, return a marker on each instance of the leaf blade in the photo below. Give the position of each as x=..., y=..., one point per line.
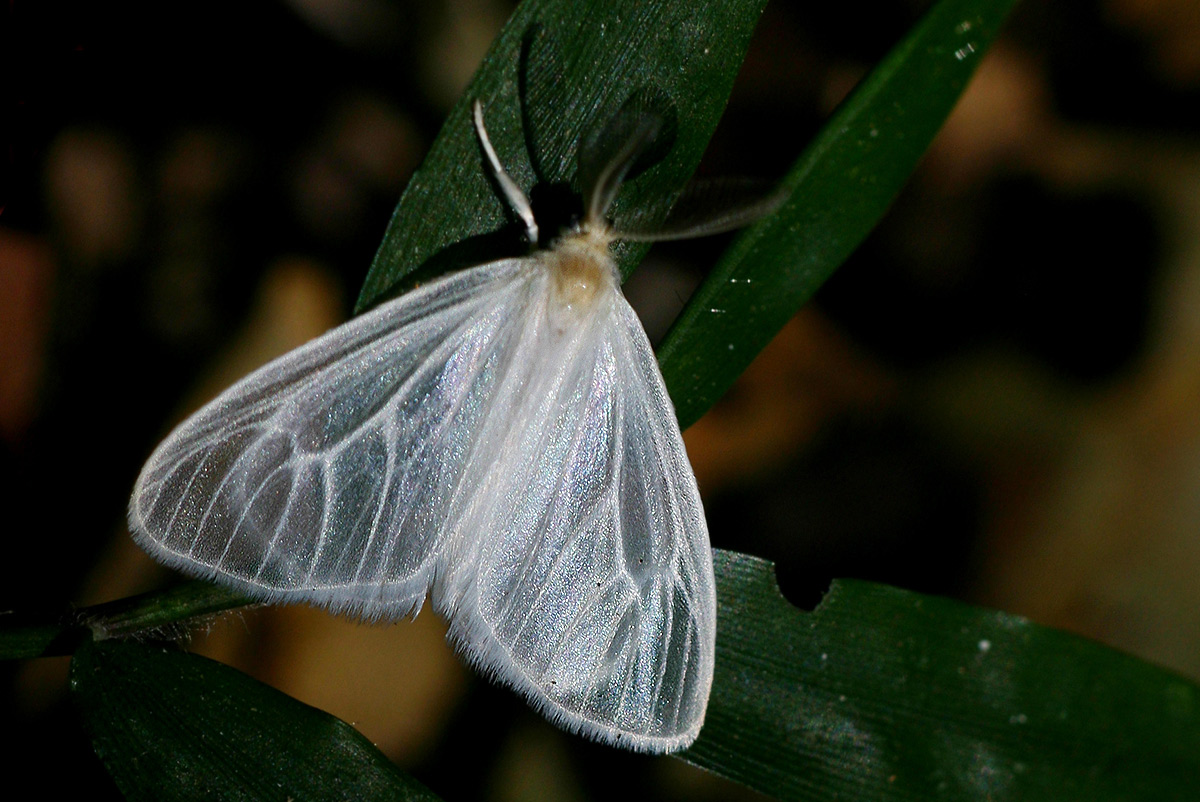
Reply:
x=838, y=190
x=169, y=725
x=558, y=70
x=881, y=693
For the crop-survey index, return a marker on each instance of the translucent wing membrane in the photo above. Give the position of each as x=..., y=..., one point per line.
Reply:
x=332, y=474
x=595, y=588
x=459, y=439
x=499, y=439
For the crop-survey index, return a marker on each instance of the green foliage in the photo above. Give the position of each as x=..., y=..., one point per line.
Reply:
x=557, y=71
x=837, y=191
x=879, y=693
x=172, y=725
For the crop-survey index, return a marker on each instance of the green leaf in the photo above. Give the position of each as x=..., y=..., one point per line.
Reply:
x=881, y=693
x=838, y=190
x=158, y=610
x=559, y=70
x=24, y=639
x=174, y=726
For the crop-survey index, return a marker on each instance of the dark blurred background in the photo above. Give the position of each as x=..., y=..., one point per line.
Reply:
x=995, y=399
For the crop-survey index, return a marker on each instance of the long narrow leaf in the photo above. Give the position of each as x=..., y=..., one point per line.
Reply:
x=558, y=71
x=881, y=693
x=838, y=190
x=174, y=726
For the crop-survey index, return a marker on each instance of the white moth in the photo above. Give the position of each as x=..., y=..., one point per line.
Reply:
x=500, y=439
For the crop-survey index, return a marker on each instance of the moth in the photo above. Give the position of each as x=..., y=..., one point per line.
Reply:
x=499, y=439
